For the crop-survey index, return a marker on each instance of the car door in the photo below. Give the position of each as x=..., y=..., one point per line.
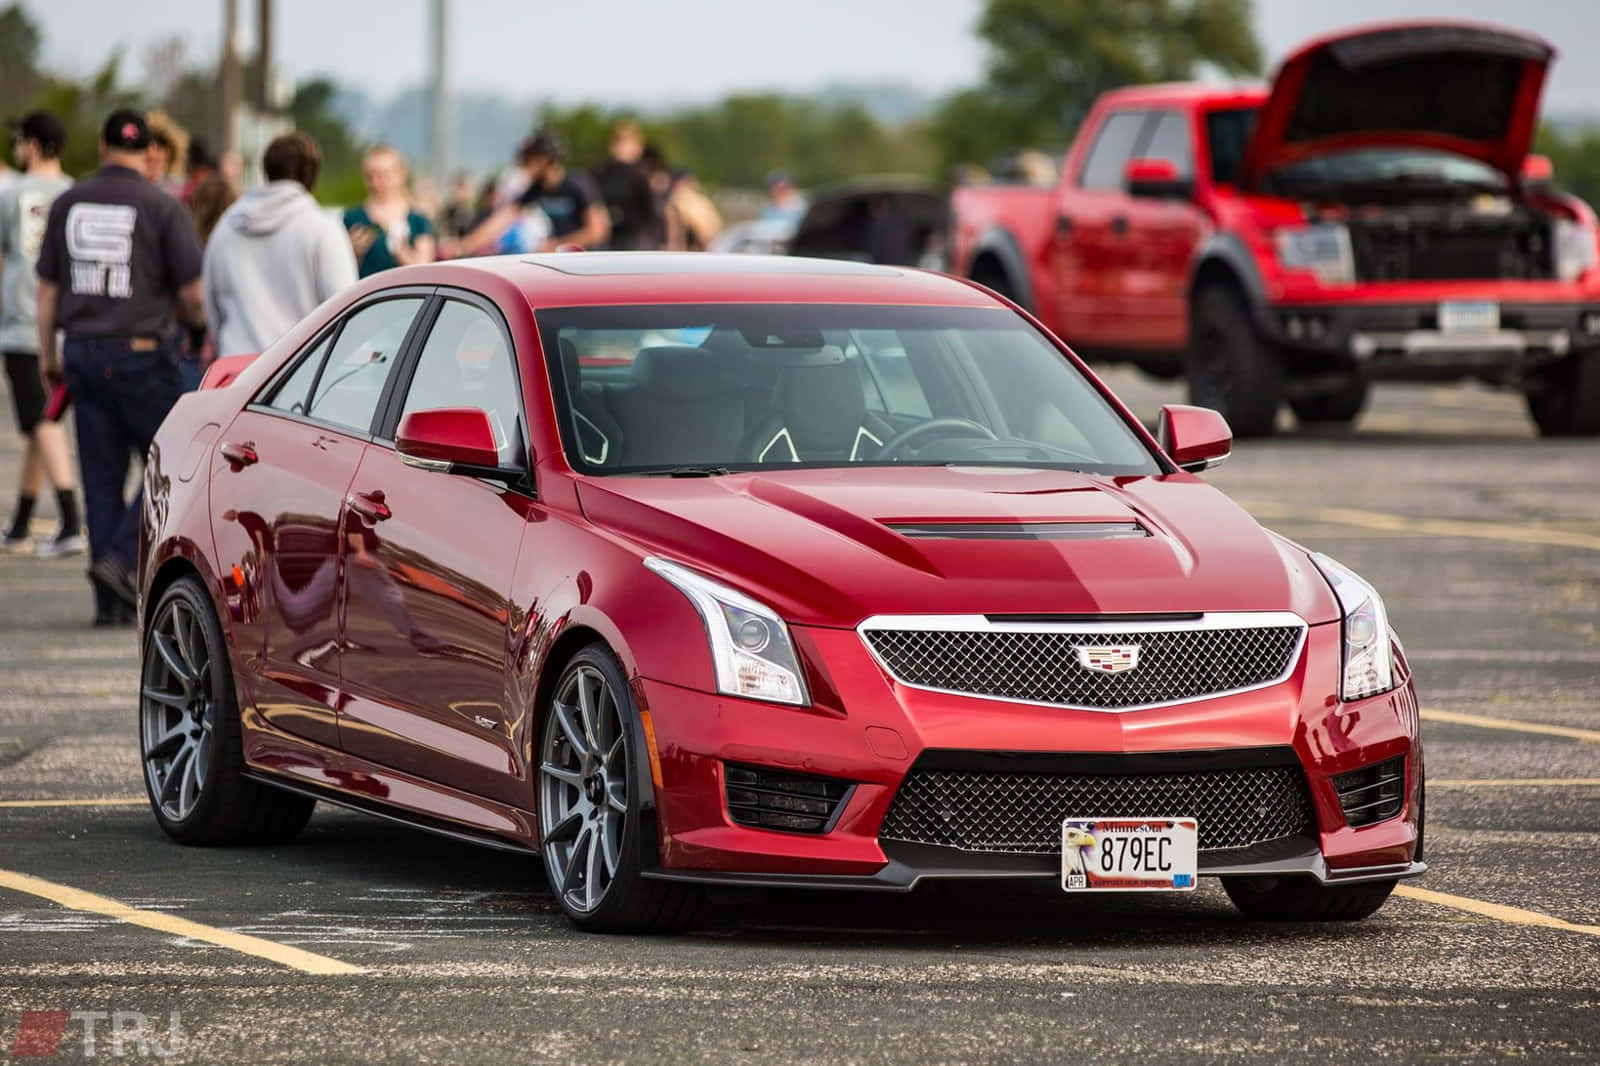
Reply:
x=1162, y=235
x=278, y=482
x=430, y=559
x=1091, y=248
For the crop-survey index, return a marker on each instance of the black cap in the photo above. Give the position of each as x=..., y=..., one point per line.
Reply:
x=126, y=129
x=43, y=127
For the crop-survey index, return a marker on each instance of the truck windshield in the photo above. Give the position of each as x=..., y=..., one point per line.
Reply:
x=1227, y=133
x=708, y=389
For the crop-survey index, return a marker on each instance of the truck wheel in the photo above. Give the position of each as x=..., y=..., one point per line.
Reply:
x=1341, y=403
x=1161, y=369
x=1564, y=400
x=1232, y=369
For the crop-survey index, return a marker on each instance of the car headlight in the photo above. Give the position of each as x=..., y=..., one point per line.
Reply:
x=1575, y=249
x=1322, y=248
x=750, y=644
x=1368, y=650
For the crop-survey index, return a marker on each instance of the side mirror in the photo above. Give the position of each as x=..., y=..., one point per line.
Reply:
x=452, y=440
x=1196, y=438
x=1156, y=178
x=1538, y=170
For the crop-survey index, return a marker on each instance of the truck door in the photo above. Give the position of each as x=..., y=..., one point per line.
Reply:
x=1090, y=256
x=1162, y=235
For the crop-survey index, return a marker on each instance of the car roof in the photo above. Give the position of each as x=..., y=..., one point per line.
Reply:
x=1192, y=93
x=572, y=279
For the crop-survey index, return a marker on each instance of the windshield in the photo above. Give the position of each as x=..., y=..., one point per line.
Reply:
x=1385, y=166
x=699, y=390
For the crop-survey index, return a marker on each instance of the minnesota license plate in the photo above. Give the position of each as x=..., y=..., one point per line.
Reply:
x=1129, y=854
x=1469, y=316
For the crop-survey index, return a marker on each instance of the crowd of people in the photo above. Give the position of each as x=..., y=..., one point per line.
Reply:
x=117, y=290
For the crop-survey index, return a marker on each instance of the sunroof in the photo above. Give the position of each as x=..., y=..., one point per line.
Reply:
x=600, y=264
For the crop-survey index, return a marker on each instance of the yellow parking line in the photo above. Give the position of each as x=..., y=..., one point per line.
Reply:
x=1433, y=527
x=78, y=900
x=1433, y=714
x=1498, y=911
x=1513, y=782
x=109, y=801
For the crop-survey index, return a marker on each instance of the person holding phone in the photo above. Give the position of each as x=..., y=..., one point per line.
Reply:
x=36, y=141
x=385, y=232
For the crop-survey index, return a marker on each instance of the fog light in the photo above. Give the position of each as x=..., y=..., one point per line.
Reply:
x=1315, y=327
x=1591, y=323
x=1295, y=327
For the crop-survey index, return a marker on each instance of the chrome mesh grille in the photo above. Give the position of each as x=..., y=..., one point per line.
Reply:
x=1022, y=812
x=1042, y=666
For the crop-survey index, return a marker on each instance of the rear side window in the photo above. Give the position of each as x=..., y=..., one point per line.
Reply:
x=1113, y=147
x=1170, y=141
x=295, y=391
x=346, y=392
x=466, y=362
x=1227, y=133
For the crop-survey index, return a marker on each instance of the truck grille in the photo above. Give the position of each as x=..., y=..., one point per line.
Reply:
x=1043, y=664
x=996, y=811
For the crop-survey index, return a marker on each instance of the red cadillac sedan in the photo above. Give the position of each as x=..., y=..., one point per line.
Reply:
x=684, y=571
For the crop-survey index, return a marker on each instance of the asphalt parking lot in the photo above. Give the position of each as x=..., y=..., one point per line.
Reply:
x=363, y=941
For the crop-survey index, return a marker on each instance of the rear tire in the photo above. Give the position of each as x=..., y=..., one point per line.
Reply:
x=594, y=841
x=1161, y=369
x=189, y=738
x=1340, y=404
x=1232, y=368
x=1565, y=399
x=1303, y=899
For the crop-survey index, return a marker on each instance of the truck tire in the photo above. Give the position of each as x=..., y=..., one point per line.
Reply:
x=1232, y=368
x=1564, y=400
x=1339, y=404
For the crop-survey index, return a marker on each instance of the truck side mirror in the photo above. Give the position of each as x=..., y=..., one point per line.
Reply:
x=1156, y=178
x=1538, y=171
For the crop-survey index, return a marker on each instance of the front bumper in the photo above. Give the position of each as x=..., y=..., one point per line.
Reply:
x=872, y=731
x=1404, y=341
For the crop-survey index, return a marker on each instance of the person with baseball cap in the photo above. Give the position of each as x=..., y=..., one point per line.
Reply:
x=118, y=256
x=36, y=140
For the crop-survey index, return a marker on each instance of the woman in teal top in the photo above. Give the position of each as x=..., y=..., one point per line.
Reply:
x=384, y=231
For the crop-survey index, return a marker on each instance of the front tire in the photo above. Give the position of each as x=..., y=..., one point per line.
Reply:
x=1303, y=899
x=189, y=737
x=1565, y=399
x=1334, y=406
x=1232, y=368
x=594, y=841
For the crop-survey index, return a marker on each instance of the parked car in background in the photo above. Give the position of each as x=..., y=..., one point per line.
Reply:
x=689, y=570
x=889, y=219
x=1373, y=215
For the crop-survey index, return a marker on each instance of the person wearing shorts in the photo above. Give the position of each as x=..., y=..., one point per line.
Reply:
x=24, y=207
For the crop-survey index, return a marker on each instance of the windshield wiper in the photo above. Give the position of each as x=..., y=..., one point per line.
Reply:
x=682, y=471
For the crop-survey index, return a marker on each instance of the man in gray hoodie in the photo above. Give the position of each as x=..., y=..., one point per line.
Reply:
x=275, y=254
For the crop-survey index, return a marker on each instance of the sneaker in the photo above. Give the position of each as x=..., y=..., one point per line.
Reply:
x=15, y=544
x=59, y=546
x=113, y=575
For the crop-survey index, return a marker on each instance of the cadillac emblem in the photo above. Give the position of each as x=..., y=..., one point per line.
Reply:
x=1108, y=658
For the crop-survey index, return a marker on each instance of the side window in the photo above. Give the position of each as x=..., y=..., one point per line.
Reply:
x=1113, y=147
x=465, y=363
x=347, y=391
x=295, y=390
x=1170, y=141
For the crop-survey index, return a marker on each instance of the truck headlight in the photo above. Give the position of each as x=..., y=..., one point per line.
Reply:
x=1322, y=248
x=1368, y=650
x=1575, y=249
x=750, y=644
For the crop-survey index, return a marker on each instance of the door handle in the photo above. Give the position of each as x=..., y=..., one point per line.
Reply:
x=1119, y=224
x=368, y=505
x=239, y=454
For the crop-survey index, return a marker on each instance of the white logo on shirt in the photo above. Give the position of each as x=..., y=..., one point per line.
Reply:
x=100, y=244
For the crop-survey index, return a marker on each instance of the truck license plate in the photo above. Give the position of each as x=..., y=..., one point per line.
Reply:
x=1129, y=854
x=1469, y=316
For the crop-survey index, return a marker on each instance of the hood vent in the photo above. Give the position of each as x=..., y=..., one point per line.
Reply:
x=1019, y=530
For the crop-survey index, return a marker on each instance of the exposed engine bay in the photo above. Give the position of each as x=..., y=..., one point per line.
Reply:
x=1486, y=237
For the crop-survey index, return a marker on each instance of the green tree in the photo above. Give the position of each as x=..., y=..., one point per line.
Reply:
x=1050, y=59
x=1575, y=155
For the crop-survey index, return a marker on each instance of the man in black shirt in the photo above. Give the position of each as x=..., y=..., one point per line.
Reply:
x=636, y=218
x=569, y=199
x=118, y=255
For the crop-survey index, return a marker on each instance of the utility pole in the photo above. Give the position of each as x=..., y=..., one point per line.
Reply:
x=228, y=91
x=263, y=85
x=439, y=129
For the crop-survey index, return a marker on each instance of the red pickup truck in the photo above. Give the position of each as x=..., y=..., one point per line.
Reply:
x=1373, y=214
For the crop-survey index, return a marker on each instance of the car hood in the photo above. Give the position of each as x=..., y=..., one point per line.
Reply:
x=1459, y=87
x=835, y=546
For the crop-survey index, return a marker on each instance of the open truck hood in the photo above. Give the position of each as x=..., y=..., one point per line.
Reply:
x=1458, y=87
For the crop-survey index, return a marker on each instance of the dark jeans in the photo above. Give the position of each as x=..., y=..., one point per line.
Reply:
x=119, y=397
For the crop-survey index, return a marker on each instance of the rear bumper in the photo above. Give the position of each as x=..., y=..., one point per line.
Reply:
x=1403, y=341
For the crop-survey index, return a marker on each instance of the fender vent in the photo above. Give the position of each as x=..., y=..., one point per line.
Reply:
x=779, y=799
x=1373, y=793
x=1019, y=530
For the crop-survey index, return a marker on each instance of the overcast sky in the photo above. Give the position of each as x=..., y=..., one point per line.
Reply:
x=672, y=50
